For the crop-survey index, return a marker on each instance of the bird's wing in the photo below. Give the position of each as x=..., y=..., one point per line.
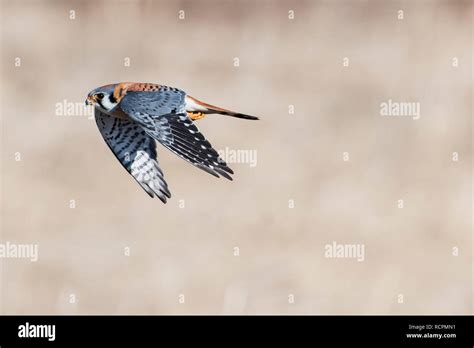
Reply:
x=136, y=151
x=163, y=116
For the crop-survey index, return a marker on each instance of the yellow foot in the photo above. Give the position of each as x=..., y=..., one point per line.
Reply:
x=196, y=115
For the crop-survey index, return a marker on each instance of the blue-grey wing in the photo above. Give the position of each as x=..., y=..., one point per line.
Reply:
x=136, y=151
x=179, y=134
x=163, y=116
x=165, y=101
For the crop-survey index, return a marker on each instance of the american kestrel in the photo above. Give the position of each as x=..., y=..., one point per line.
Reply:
x=131, y=116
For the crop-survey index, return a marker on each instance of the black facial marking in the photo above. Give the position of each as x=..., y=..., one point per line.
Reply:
x=100, y=103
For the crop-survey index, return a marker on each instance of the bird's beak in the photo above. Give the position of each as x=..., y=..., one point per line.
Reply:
x=90, y=101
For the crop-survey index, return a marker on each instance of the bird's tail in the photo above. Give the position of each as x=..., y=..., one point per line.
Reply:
x=197, y=109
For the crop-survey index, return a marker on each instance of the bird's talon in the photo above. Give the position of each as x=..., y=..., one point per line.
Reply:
x=196, y=115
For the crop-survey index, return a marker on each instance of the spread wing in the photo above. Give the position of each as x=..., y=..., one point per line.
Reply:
x=136, y=151
x=162, y=115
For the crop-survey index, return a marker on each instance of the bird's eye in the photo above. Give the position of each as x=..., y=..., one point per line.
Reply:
x=100, y=95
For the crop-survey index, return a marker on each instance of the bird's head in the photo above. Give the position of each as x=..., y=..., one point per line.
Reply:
x=103, y=98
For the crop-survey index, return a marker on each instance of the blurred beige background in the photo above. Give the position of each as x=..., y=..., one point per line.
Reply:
x=174, y=251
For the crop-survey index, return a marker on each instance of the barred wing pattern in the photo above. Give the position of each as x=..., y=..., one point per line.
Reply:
x=136, y=151
x=174, y=129
x=166, y=100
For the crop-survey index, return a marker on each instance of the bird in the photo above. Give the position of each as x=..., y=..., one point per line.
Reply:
x=133, y=116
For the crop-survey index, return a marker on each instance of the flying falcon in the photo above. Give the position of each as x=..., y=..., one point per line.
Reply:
x=131, y=116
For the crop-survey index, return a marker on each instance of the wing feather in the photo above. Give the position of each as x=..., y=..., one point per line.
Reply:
x=136, y=151
x=162, y=116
